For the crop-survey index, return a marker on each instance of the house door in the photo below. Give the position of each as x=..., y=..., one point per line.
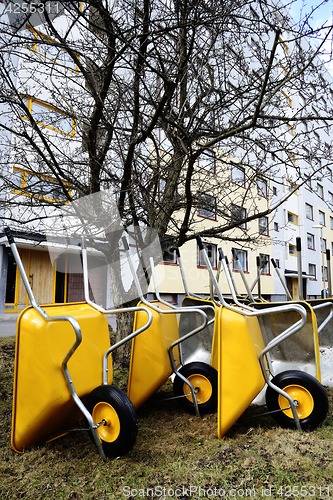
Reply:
x=289, y=286
x=38, y=267
x=292, y=285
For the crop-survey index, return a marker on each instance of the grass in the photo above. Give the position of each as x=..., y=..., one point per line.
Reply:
x=176, y=455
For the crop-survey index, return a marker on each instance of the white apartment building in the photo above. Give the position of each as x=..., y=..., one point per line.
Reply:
x=311, y=204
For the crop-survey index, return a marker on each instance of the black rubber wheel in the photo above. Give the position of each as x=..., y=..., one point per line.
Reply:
x=204, y=378
x=312, y=406
x=110, y=405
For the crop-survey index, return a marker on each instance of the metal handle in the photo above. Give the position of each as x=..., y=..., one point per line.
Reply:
x=241, y=272
x=274, y=263
x=281, y=279
x=125, y=243
x=199, y=241
x=299, y=267
x=9, y=235
x=329, y=275
x=298, y=244
x=258, y=275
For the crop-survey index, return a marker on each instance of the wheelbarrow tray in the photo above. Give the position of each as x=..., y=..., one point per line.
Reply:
x=203, y=346
x=325, y=336
x=240, y=377
x=150, y=364
x=43, y=408
x=301, y=350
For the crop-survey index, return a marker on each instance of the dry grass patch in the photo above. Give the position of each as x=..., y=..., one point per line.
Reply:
x=174, y=451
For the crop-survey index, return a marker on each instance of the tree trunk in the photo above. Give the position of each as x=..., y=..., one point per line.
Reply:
x=125, y=321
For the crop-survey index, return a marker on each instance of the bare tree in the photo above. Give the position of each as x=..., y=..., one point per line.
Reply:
x=137, y=96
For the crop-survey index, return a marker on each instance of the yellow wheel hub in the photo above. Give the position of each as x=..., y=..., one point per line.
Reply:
x=105, y=415
x=304, y=405
x=203, y=385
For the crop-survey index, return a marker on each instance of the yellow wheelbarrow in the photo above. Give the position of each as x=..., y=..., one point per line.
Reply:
x=241, y=354
x=156, y=355
x=63, y=375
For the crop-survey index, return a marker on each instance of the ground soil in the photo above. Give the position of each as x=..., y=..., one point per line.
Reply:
x=176, y=455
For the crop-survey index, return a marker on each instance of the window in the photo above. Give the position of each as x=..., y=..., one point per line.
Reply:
x=321, y=218
x=308, y=211
x=169, y=252
x=274, y=191
x=323, y=245
x=320, y=191
x=311, y=241
x=264, y=264
x=49, y=48
x=238, y=175
x=242, y=258
x=287, y=99
x=212, y=255
x=292, y=156
x=330, y=198
x=238, y=214
x=207, y=206
x=163, y=142
x=329, y=174
x=285, y=46
x=331, y=222
x=262, y=188
x=276, y=226
x=207, y=160
x=325, y=272
x=312, y=271
x=291, y=186
x=292, y=250
x=38, y=186
x=289, y=128
x=277, y=261
x=263, y=226
x=49, y=116
x=292, y=218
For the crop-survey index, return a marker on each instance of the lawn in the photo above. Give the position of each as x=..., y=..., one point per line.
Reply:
x=176, y=455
